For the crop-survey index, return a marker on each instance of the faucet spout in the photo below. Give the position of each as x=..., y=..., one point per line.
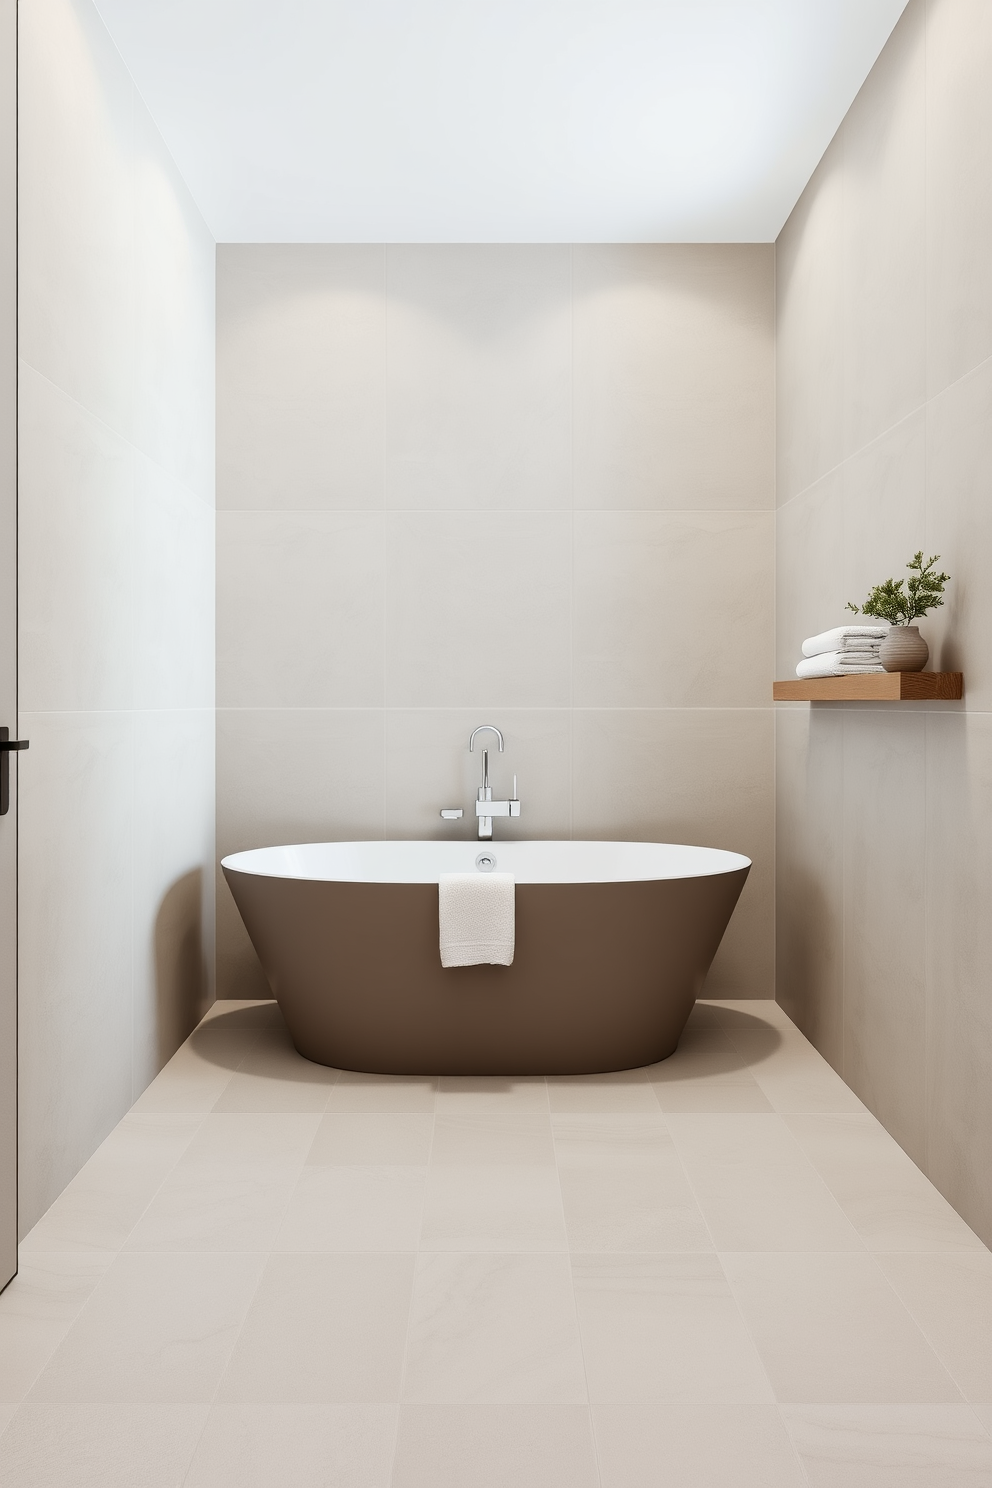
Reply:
x=484, y=728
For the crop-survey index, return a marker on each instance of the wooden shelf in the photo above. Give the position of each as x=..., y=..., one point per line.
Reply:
x=866, y=687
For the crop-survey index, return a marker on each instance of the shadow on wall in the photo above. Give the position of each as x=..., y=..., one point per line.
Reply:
x=181, y=985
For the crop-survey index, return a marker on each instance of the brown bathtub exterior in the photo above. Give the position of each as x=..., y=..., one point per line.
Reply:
x=604, y=974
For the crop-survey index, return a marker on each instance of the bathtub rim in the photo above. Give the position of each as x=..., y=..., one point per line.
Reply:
x=687, y=859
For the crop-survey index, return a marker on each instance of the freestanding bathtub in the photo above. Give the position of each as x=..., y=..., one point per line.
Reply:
x=613, y=942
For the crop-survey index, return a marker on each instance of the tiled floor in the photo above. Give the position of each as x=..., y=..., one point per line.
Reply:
x=718, y=1271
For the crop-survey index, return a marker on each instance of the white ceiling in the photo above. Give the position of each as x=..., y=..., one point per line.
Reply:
x=498, y=120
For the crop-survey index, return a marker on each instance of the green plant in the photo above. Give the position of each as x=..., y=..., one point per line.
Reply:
x=924, y=589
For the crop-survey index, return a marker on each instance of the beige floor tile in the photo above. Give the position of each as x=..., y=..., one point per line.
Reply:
x=695, y=1446
x=355, y=1092
x=890, y=1446
x=7, y=1409
x=354, y=1208
x=793, y=1075
x=829, y=1327
x=950, y=1296
x=295, y=1446
x=323, y=1329
x=369, y=1138
x=623, y=1186
x=497, y=1207
x=491, y=1093
x=215, y=1206
x=983, y=1410
x=243, y=1012
x=494, y=1446
x=159, y=1328
x=736, y=1014
x=271, y=1139
x=276, y=1078
x=889, y=1201
x=485, y=1140
x=664, y=1329
x=756, y=1187
x=37, y=1309
x=196, y=1075
x=99, y=1446
x=623, y=1090
x=100, y=1207
x=493, y=1330
x=726, y=1094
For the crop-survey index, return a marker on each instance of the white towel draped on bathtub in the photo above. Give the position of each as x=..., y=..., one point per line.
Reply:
x=476, y=915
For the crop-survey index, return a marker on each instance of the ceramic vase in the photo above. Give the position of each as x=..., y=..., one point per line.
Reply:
x=904, y=650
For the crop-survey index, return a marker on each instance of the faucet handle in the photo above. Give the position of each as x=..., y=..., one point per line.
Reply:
x=453, y=814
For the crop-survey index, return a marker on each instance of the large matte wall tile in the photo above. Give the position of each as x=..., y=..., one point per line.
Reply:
x=300, y=376
x=884, y=310
x=959, y=189
x=75, y=884
x=174, y=652
x=959, y=527
x=884, y=516
x=959, y=962
x=76, y=209
x=699, y=775
x=175, y=319
x=477, y=609
x=75, y=554
x=884, y=929
x=809, y=874
x=673, y=609
x=674, y=376
x=428, y=766
x=478, y=377
x=809, y=565
x=300, y=606
x=173, y=892
x=287, y=775
x=809, y=375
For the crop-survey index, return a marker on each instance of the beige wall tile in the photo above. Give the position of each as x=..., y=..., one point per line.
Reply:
x=959, y=193
x=959, y=451
x=884, y=930
x=75, y=554
x=702, y=776
x=674, y=380
x=174, y=564
x=959, y=963
x=300, y=606
x=884, y=308
x=672, y=609
x=76, y=209
x=173, y=884
x=301, y=346
x=810, y=587
x=884, y=514
x=809, y=262
x=809, y=873
x=175, y=318
x=477, y=609
x=75, y=945
x=479, y=378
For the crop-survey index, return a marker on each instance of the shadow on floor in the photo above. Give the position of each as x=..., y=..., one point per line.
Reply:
x=705, y=1035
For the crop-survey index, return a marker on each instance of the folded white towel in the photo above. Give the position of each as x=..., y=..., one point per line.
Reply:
x=476, y=916
x=836, y=640
x=835, y=664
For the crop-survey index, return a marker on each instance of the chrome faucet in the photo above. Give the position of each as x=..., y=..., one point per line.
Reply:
x=485, y=807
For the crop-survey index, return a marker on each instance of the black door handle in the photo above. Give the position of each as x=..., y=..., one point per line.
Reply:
x=7, y=747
